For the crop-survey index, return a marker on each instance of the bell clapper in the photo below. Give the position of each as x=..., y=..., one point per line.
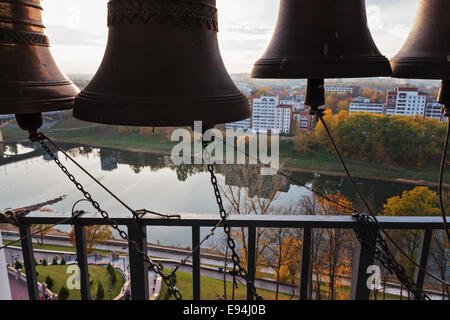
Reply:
x=30, y=122
x=315, y=96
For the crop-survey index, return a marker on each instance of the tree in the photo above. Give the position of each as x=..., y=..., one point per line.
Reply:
x=304, y=141
x=283, y=255
x=368, y=93
x=44, y=262
x=420, y=201
x=94, y=235
x=100, y=292
x=334, y=254
x=63, y=261
x=42, y=229
x=251, y=193
x=63, y=293
x=309, y=205
x=333, y=124
x=49, y=282
x=54, y=261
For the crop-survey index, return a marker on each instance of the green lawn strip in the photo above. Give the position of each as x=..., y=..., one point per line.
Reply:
x=210, y=288
x=97, y=274
x=53, y=247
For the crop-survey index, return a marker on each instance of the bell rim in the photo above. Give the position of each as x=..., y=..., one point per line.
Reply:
x=430, y=68
x=30, y=106
x=305, y=67
x=162, y=109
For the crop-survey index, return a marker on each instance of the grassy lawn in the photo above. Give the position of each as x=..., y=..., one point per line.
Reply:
x=210, y=288
x=97, y=273
x=51, y=247
x=323, y=161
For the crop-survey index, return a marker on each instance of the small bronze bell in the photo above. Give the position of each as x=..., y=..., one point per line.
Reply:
x=426, y=52
x=30, y=80
x=319, y=39
x=162, y=67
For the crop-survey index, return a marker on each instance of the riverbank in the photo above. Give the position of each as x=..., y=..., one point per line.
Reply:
x=315, y=162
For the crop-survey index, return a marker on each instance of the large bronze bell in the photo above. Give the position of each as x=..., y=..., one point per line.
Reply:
x=162, y=67
x=319, y=39
x=426, y=53
x=30, y=80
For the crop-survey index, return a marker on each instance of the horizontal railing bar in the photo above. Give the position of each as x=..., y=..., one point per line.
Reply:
x=341, y=222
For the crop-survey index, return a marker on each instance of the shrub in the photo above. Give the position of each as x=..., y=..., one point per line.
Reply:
x=44, y=262
x=49, y=282
x=63, y=293
x=18, y=265
x=113, y=277
x=54, y=261
x=100, y=292
x=63, y=261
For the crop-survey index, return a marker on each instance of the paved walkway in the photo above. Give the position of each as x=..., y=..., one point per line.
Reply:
x=19, y=289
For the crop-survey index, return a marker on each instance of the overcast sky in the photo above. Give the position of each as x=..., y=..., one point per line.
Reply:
x=77, y=30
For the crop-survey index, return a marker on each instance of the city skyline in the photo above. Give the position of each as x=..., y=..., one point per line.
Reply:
x=77, y=30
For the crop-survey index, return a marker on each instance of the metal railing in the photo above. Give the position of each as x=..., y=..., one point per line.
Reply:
x=362, y=257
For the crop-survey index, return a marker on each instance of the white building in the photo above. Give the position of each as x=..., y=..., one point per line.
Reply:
x=406, y=102
x=338, y=90
x=243, y=124
x=284, y=114
x=297, y=102
x=353, y=91
x=433, y=111
x=365, y=105
x=264, y=109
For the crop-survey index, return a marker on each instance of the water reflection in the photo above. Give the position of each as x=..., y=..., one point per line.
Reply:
x=152, y=181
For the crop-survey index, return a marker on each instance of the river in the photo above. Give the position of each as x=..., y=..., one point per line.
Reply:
x=151, y=181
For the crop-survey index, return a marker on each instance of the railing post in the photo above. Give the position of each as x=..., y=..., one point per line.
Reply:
x=362, y=259
x=28, y=259
x=306, y=263
x=251, y=260
x=196, y=262
x=80, y=241
x=422, y=258
x=138, y=266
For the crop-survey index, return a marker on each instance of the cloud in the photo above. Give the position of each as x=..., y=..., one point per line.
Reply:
x=247, y=29
x=62, y=35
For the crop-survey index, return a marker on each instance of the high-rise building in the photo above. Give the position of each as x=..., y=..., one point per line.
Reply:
x=304, y=120
x=284, y=114
x=433, y=110
x=264, y=112
x=406, y=102
x=365, y=105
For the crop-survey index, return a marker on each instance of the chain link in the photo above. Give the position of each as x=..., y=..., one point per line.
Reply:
x=369, y=236
x=237, y=268
x=155, y=267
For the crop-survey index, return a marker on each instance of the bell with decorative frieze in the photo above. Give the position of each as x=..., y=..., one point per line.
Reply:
x=30, y=80
x=162, y=67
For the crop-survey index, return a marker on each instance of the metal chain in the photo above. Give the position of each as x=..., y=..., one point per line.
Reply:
x=155, y=267
x=369, y=225
x=237, y=268
x=369, y=236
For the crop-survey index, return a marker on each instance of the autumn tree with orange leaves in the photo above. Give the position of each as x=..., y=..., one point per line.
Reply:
x=94, y=235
